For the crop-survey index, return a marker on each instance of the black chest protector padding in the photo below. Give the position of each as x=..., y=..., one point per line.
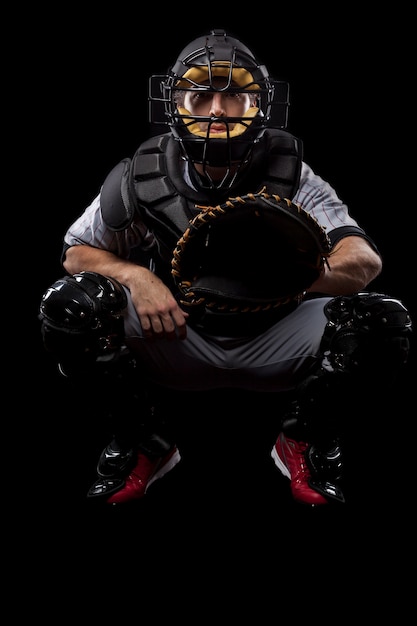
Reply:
x=153, y=184
x=284, y=163
x=117, y=202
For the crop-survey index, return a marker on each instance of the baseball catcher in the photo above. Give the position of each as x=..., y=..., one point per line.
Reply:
x=216, y=258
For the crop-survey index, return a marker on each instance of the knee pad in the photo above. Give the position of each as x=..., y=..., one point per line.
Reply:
x=366, y=330
x=81, y=316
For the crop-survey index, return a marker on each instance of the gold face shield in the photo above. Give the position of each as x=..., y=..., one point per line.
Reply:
x=218, y=77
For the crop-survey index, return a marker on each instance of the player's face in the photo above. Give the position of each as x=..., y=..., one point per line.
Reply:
x=216, y=104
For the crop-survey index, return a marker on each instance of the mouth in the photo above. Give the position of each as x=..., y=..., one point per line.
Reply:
x=217, y=128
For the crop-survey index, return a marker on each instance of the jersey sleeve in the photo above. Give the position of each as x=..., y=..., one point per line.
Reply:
x=319, y=198
x=89, y=229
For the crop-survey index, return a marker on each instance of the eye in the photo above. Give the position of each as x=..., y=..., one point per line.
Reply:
x=201, y=96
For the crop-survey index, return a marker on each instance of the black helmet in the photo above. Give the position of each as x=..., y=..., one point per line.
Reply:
x=204, y=59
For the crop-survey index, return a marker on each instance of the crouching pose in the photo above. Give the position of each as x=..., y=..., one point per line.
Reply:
x=117, y=313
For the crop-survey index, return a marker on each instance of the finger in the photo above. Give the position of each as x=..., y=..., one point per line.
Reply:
x=179, y=318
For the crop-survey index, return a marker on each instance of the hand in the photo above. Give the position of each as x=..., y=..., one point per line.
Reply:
x=159, y=313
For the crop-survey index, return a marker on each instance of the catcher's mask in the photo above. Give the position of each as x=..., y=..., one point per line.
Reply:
x=199, y=67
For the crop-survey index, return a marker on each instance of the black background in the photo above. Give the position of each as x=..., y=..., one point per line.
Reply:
x=83, y=108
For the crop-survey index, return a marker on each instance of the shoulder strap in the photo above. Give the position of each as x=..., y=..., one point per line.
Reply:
x=285, y=154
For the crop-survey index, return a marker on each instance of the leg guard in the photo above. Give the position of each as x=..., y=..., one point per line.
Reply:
x=365, y=344
x=82, y=327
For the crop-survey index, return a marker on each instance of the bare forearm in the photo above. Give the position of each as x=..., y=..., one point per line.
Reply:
x=86, y=258
x=352, y=265
x=158, y=311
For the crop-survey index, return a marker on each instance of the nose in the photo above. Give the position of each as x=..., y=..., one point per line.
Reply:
x=217, y=105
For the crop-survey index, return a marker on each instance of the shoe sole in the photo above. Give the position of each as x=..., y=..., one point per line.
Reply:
x=279, y=463
x=164, y=469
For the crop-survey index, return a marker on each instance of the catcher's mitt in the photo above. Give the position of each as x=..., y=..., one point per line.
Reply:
x=249, y=254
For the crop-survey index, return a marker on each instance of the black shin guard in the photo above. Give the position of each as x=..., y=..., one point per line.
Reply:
x=364, y=346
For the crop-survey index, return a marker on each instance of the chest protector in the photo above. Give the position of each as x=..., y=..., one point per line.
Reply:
x=152, y=184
